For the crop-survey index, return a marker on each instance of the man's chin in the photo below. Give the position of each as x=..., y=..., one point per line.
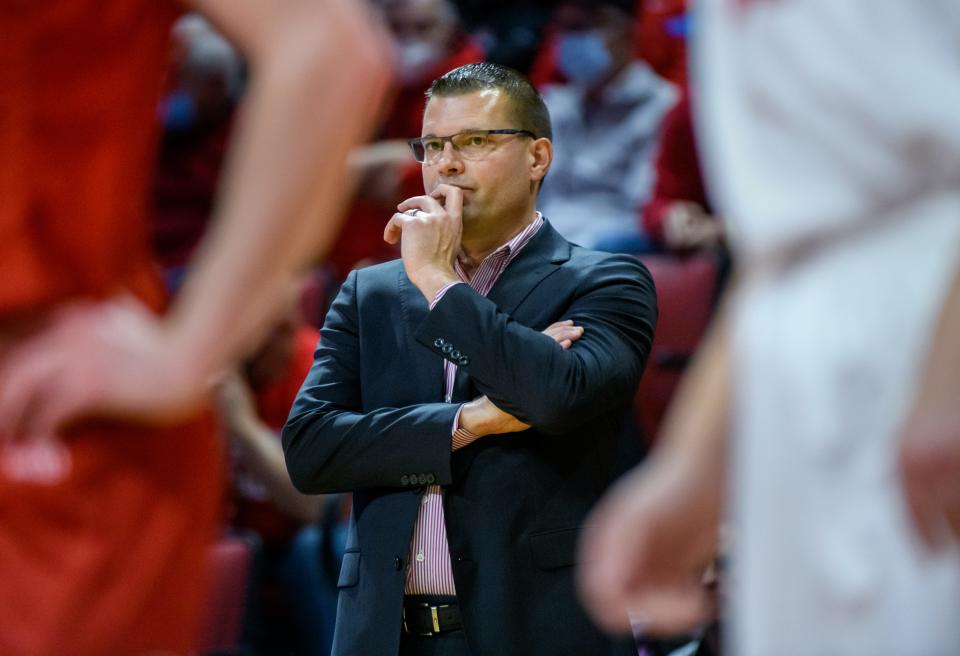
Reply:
x=468, y=215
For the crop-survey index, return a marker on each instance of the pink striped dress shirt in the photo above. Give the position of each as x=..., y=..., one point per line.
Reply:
x=428, y=569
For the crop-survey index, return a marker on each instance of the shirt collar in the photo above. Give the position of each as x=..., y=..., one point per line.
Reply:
x=506, y=251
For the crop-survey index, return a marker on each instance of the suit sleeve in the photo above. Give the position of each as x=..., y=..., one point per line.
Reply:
x=528, y=374
x=330, y=445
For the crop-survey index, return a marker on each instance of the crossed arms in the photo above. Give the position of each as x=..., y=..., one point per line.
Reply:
x=332, y=444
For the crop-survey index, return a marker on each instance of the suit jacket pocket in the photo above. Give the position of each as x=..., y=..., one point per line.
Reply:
x=349, y=570
x=555, y=548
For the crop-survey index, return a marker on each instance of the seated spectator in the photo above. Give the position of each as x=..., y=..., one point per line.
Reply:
x=679, y=216
x=429, y=40
x=606, y=120
x=661, y=30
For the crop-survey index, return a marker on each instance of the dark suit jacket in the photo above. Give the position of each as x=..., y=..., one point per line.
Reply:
x=370, y=419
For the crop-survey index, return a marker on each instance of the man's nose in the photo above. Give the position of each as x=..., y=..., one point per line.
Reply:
x=450, y=160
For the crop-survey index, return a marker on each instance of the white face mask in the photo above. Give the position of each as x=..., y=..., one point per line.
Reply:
x=416, y=59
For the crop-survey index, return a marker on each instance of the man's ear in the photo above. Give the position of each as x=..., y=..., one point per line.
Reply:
x=541, y=156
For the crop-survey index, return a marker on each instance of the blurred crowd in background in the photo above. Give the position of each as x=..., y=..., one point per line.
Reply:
x=625, y=179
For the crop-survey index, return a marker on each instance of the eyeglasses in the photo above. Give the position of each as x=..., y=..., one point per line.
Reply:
x=471, y=144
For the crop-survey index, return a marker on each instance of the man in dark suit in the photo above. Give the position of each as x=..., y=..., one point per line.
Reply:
x=471, y=396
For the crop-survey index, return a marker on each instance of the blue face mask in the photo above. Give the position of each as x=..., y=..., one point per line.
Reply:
x=584, y=58
x=178, y=111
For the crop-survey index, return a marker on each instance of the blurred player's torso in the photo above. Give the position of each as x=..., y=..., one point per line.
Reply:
x=831, y=139
x=104, y=530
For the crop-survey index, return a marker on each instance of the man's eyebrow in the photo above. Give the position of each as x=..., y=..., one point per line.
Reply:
x=431, y=135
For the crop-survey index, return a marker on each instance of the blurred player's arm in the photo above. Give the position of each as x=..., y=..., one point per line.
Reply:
x=930, y=447
x=318, y=75
x=650, y=539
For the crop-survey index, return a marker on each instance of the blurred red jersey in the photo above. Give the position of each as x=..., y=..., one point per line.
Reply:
x=104, y=530
x=78, y=89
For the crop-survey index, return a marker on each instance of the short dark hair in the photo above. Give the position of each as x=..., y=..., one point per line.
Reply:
x=530, y=112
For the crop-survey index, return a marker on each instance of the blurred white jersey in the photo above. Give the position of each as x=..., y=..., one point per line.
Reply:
x=830, y=131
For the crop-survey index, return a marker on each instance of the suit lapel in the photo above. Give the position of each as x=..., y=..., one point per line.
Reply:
x=542, y=255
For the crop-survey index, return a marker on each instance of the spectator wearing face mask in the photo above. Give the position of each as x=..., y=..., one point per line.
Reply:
x=428, y=40
x=661, y=30
x=606, y=118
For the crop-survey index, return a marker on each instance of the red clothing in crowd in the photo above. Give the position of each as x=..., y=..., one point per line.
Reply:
x=103, y=530
x=657, y=43
x=362, y=235
x=678, y=176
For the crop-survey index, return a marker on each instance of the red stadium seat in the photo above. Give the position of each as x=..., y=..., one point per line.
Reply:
x=231, y=562
x=686, y=291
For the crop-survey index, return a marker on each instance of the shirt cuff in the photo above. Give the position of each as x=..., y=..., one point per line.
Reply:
x=461, y=436
x=439, y=295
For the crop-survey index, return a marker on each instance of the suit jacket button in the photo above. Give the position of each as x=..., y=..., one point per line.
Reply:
x=439, y=342
x=447, y=348
x=404, y=480
x=455, y=355
x=398, y=563
x=431, y=479
x=422, y=479
x=464, y=361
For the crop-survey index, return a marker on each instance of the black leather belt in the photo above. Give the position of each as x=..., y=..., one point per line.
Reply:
x=429, y=616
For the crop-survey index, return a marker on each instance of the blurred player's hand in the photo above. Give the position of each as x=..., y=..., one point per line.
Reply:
x=930, y=467
x=112, y=359
x=929, y=460
x=646, y=545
